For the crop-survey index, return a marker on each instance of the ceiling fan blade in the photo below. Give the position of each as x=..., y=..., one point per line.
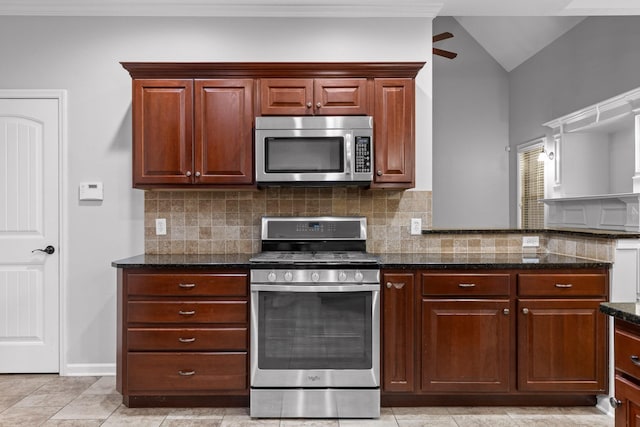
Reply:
x=442, y=36
x=445, y=53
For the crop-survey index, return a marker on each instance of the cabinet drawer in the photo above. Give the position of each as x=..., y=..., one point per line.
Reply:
x=562, y=284
x=465, y=284
x=627, y=353
x=187, y=312
x=186, y=372
x=186, y=339
x=187, y=284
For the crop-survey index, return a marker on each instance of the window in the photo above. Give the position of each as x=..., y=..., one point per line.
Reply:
x=531, y=184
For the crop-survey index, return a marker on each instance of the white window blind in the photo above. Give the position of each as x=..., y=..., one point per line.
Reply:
x=531, y=187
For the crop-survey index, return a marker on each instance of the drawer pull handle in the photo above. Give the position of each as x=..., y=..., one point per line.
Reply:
x=635, y=360
x=397, y=285
x=564, y=285
x=186, y=373
x=186, y=340
x=466, y=285
x=187, y=285
x=187, y=313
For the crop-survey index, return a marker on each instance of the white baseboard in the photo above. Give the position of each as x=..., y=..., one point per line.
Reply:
x=89, y=369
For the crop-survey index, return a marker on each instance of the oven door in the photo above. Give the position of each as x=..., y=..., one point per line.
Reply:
x=315, y=335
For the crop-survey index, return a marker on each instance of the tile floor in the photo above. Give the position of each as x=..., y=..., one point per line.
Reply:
x=51, y=400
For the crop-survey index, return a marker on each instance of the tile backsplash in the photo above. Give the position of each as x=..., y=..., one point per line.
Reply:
x=203, y=222
x=216, y=222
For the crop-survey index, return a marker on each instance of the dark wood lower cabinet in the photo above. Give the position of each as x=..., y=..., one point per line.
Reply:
x=495, y=337
x=398, y=332
x=465, y=345
x=183, y=337
x=627, y=377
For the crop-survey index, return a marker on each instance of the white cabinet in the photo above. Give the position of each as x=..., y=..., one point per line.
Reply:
x=593, y=178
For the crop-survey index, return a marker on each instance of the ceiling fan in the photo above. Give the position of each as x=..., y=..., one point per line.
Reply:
x=440, y=52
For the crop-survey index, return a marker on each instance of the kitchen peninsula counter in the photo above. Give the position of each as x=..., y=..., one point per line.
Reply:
x=627, y=311
x=575, y=232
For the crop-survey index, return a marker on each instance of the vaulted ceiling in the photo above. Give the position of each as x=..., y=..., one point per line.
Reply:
x=510, y=30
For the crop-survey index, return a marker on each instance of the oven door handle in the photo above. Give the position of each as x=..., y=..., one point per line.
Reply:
x=348, y=149
x=315, y=288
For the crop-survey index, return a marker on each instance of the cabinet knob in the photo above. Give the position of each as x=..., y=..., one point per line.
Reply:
x=505, y=311
x=615, y=403
x=525, y=311
x=379, y=173
x=188, y=173
x=197, y=174
x=309, y=105
x=635, y=360
x=318, y=105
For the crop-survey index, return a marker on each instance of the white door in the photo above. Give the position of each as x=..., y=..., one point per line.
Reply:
x=29, y=220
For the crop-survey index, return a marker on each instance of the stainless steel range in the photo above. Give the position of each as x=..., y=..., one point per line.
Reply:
x=315, y=320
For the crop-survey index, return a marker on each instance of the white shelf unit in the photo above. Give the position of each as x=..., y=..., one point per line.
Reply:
x=593, y=178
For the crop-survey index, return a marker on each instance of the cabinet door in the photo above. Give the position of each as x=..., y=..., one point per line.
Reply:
x=162, y=131
x=286, y=97
x=465, y=345
x=398, y=332
x=223, y=137
x=562, y=345
x=393, y=122
x=340, y=97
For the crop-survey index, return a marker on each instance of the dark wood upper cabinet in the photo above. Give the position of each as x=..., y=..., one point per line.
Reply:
x=162, y=131
x=394, y=133
x=300, y=97
x=223, y=131
x=193, y=122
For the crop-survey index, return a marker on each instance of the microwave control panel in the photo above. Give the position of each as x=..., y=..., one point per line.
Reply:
x=363, y=154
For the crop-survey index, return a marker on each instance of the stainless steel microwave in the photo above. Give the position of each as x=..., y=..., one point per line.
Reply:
x=314, y=150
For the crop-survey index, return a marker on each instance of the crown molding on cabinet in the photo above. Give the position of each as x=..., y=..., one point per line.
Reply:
x=226, y=8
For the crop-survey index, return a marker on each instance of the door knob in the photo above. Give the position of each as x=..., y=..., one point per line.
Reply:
x=48, y=250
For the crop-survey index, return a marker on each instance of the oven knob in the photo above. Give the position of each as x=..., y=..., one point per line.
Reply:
x=288, y=276
x=358, y=276
x=315, y=276
x=271, y=276
x=342, y=276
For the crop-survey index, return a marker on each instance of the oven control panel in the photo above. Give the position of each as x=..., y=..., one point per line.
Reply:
x=315, y=276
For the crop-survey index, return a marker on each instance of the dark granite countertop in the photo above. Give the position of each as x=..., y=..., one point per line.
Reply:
x=396, y=261
x=579, y=232
x=628, y=311
x=190, y=261
x=492, y=260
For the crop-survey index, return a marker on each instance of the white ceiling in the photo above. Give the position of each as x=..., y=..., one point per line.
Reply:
x=510, y=30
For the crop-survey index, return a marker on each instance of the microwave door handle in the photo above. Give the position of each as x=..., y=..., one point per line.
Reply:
x=348, y=149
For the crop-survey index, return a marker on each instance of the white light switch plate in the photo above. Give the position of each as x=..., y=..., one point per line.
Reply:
x=530, y=241
x=161, y=226
x=416, y=226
